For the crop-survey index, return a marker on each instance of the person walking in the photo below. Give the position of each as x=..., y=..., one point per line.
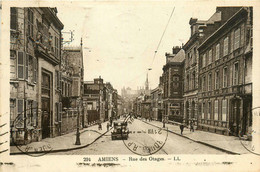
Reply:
x=181, y=127
x=99, y=126
x=108, y=126
x=191, y=126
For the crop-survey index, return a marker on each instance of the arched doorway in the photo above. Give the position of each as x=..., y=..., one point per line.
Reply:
x=187, y=113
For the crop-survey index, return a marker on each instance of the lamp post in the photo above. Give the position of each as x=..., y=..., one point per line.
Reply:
x=78, y=133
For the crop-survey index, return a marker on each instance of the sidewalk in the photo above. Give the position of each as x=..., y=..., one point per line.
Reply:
x=65, y=142
x=229, y=144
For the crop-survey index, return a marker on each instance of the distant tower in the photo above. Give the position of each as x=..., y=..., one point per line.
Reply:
x=146, y=83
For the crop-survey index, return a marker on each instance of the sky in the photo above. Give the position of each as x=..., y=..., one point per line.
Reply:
x=120, y=39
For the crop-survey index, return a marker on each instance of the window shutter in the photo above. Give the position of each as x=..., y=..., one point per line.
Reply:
x=20, y=65
x=26, y=66
x=232, y=41
x=35, y=69
x=20, y=117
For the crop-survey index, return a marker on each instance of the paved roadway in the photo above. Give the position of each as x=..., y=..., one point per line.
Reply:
x=174, y=145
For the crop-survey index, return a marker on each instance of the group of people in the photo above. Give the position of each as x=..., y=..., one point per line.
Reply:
x=191, y=126
x=100, y=125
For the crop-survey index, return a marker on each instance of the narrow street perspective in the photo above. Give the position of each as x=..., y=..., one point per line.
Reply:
x=121, y=80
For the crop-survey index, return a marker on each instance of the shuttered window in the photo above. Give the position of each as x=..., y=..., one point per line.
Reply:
x=216, y=110
x=210, y=56
x=225, y=78
x=217, y=52
x=224, y=110
x=20, y=65
x=26, y=66
x=237, y=39
x=13, y=62
x=225, y=46
x=20, y=119
x=202, y=111
x=209, y=110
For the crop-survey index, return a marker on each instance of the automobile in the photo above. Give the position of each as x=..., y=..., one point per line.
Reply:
x=120, y=130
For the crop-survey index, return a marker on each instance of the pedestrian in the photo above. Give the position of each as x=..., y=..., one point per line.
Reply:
x=191, y=126
x=181, y=127
x=108, y=126
x=99, y=126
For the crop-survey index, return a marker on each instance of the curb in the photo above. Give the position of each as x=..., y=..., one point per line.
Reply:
x=204, y=143
x=62, y=150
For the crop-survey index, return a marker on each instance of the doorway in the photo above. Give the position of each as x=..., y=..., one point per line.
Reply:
x=46, y=104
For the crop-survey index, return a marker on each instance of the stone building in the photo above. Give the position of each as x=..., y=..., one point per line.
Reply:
x=172, y=82
x=156, y=103
x=71, y=85
x=35, y=54
x=225, y=83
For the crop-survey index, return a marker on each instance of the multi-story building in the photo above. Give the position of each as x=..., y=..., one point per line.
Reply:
x=71, y=81
x=156, y=103
x=35, y=54
x=172, y=82
x=94, y=98
x=225, y=84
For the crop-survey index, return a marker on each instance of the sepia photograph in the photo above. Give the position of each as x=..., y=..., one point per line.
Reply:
x=129, y=82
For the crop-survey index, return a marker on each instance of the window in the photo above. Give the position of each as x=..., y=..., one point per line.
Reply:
x=29, y=113
x=13, y=64
x=237, y=39
x=30, y=22
x=30, y=69
x=194, y=54
x=56, y=47
x=204, y=83
x=225, y=79
x=235, y=74
x=188, y=82
x=13, y=19
x=202, y=111
x=217, y=80
x=204, y=60
x=217, y=52
x=216, y=110
x=20, y=114
x=210, y=56
x=224, y=110
x=225, y=47
x=209, y=110
x=20, y=65
x=194, y=79
x=12, y=111
x=35, y=68
x=35, y=113
x=26, y=66
x=209, y=82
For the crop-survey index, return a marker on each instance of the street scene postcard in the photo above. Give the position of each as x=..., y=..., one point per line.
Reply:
x=130, y=85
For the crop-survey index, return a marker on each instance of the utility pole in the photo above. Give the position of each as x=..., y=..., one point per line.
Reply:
x=78, y=133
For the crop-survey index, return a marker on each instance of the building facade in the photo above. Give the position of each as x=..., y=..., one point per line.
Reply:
x=35, y=54
x=225, y=83
x=172, y=83
x=71, y=85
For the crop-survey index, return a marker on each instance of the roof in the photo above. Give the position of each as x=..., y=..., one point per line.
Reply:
x=179, y=57
x=226, y=24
